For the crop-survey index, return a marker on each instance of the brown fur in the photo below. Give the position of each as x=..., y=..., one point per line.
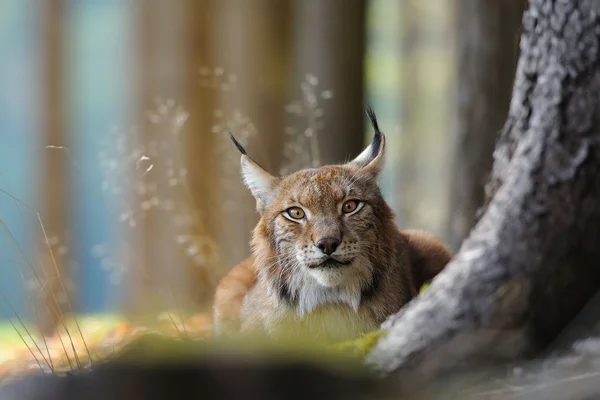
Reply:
x=429, y=255
x=230, y=294
x=290, y=287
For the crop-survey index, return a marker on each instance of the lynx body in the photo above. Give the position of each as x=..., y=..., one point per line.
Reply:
x=329, y=262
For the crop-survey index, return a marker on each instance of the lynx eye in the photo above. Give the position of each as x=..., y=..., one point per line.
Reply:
x=351, y=206
x=295, y=213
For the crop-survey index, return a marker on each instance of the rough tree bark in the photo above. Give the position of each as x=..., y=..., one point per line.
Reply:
x=531, y=262
x=487, y=34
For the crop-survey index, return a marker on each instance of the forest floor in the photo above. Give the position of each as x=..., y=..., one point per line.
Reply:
x=93, y=338
x=86, y=340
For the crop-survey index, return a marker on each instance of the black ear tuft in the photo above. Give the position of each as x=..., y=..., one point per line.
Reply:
x=373, y=119
x=376, y=142
x=237, y=144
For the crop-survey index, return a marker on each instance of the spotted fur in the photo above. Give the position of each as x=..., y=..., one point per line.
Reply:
x=294, y=288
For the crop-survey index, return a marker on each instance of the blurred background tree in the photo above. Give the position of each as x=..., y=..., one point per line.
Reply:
x=251, y=42
x=142, y=94
x=487, y=36
x=54, y=174
x=426, y=72
x=332, y=30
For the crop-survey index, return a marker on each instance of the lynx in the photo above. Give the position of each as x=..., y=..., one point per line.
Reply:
x=328, y=261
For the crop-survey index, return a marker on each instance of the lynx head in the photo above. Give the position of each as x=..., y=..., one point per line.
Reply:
x=321, y=231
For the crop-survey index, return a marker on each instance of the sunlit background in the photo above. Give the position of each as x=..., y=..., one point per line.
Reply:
x=120, y=190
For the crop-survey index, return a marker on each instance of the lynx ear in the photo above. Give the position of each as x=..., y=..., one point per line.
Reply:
x=371, y=159
x=260, y=182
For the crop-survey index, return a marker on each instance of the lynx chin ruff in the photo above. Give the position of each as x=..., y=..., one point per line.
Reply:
x=329, y=263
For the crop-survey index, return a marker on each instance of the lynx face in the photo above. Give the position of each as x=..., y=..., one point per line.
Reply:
x=320, y=237
x=323, y=225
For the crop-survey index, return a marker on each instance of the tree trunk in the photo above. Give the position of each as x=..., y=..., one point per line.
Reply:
x=55, y=190
x=328, y=49
x=198, y=146
x=424, y=111
x=251, y=42
x=162, y=83
x=531, y=262
x=487, y=38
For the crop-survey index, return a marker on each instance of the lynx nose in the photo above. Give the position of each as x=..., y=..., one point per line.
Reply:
x=328, y=245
